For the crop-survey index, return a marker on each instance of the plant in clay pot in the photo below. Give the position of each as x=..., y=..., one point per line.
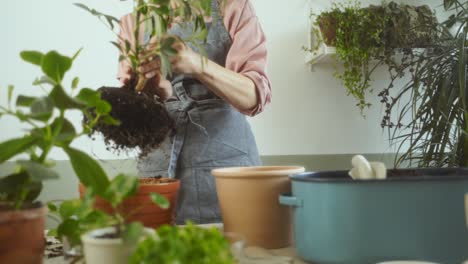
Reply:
x=105, y=237
x=366, y=38
x=140, y=207
x=145, y=122
x=21, y=216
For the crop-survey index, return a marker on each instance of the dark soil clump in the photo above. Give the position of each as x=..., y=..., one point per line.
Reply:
x=144, y=122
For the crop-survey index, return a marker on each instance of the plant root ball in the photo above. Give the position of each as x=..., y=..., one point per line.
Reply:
x=144, y=122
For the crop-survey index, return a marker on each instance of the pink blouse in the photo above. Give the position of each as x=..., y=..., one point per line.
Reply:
x=247, y=55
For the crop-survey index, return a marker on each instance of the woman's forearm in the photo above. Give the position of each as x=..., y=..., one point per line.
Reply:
x=235, y=88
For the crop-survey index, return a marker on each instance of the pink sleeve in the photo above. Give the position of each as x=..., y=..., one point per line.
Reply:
x=248, y=53
x=126, y=25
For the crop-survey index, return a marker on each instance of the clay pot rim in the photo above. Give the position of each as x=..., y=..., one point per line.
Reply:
x=173, y=181
x=257, y=172
x=90, y=239
x=28, y=213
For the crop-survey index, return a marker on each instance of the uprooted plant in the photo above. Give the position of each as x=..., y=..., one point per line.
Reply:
x=145, y=122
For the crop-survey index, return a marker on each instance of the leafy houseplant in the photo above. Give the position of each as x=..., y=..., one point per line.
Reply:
x=21, y=216
x=189, y=244
x=145, y=122
x=106, y=237
x=366, y=38
x=427, y=117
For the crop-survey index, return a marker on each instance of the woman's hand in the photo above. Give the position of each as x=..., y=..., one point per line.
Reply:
x=151, y=70
x=186, y=61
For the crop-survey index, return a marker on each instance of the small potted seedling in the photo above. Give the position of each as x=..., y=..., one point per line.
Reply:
x=105, y=237
x=21, y=215
x=145, y=122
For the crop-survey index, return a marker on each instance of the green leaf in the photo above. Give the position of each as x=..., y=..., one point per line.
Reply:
x=55, y=65
x=88, y=170
x=31, y=56
x=92, y=98
x=37, y=171
x=117, y=45
x=75, y=83
x=448, y=4
x=63, y=101
x=52, y=233
x=12, y=184
x=160, y=200
x=44, y=80
x=66, y=134
x=109, y=120
x=120, y=188
x=52, y=207
x=16, y=146
x=132, y=232
x=76, y=54
x=69, y=208
x=10, y=93
x=42, y=108
x=89, y=96
x=25, y=101
x=103, y=107
x=70, y=228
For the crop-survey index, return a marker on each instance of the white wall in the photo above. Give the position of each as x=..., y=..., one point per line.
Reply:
x=310, y=113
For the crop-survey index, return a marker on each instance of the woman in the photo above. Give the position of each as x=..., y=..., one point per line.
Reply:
x=209, y=103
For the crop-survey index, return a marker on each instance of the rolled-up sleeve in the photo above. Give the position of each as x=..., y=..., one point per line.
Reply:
x=248, y=53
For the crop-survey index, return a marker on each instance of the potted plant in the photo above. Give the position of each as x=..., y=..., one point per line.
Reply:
x=21, y=216
x=153, y=19
x=189, y=244
x=427, y=117
x=105, y=237
x=366, y=38
x=139, y=207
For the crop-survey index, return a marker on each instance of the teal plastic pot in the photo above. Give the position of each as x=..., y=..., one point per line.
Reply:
x=412, y=215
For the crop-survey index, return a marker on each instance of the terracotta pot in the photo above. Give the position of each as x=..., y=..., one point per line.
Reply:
x=327, y=27
x=248, y=198
x=22, y=235
x=108, y=250
x=140, y=207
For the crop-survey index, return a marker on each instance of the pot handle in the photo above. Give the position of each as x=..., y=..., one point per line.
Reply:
x=289, y=200
x=466, y=208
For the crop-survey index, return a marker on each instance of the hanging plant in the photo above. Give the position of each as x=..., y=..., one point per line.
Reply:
x=366, y=38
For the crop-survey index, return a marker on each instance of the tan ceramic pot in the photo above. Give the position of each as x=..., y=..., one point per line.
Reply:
x=248, y=198
x=140, y=207
x=22, y=235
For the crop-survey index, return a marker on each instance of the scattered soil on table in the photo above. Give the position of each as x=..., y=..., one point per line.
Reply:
x=144, y=121
x=155, y=180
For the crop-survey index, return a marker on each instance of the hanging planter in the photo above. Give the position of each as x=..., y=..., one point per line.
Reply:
x=371, y=34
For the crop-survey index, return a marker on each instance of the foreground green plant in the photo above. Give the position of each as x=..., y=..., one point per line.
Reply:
x=49, y=128
x=156, y=17
x=189, y=244
x=79, y=216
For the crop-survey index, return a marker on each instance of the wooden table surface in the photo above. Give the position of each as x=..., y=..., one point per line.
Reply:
x=253, y=255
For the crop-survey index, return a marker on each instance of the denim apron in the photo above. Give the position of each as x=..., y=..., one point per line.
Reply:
x=210, y=134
